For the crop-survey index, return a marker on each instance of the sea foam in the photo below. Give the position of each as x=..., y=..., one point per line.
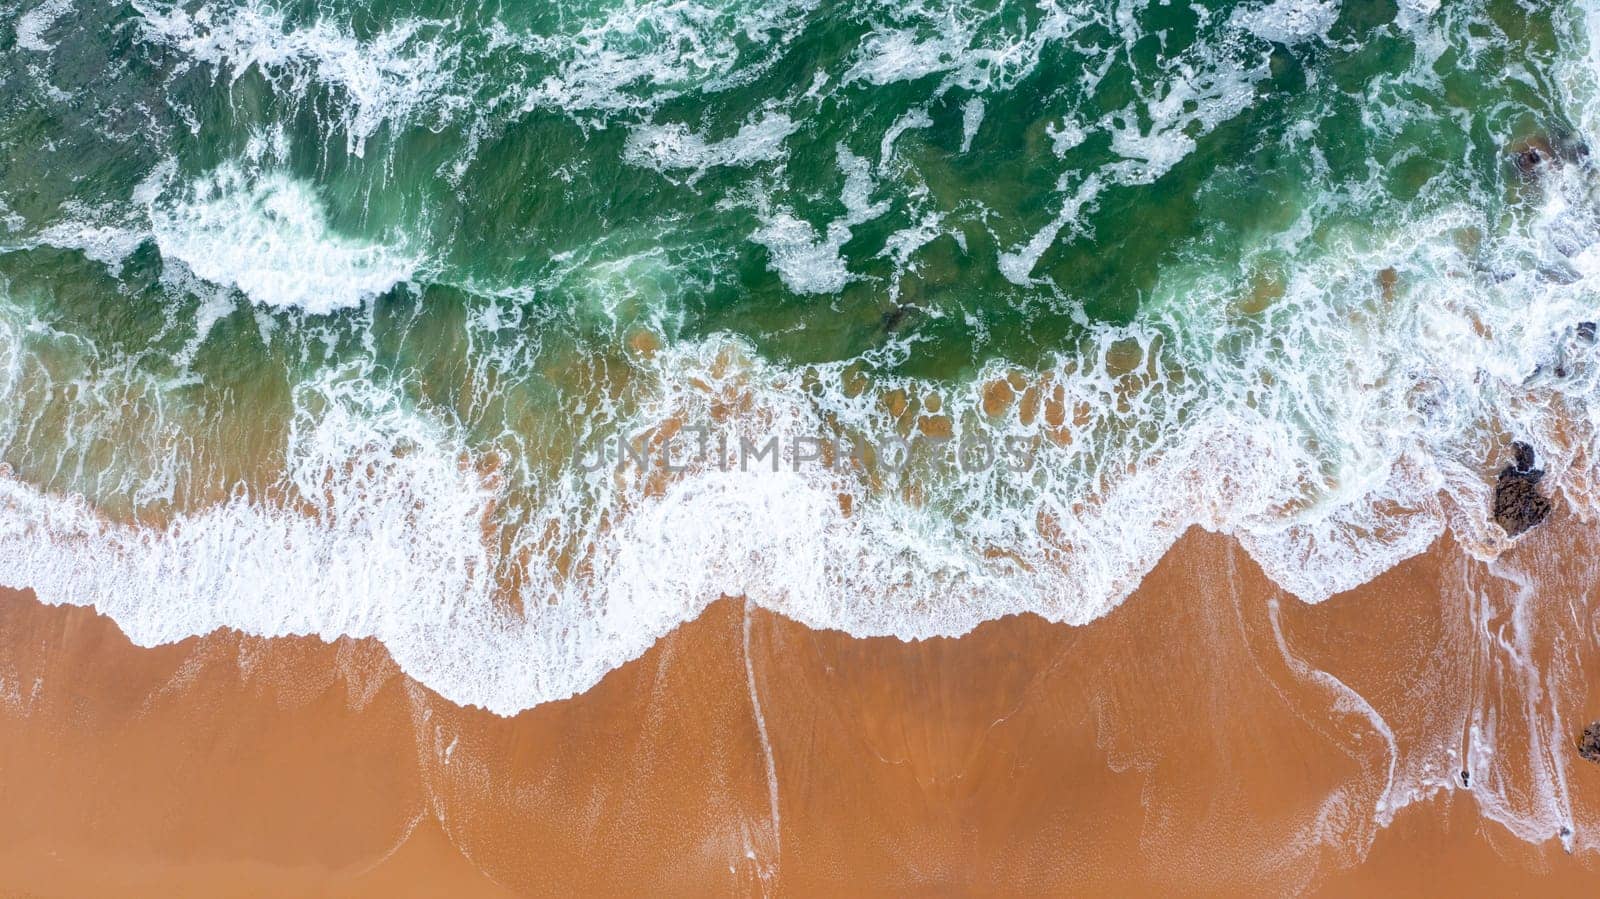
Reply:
x=674, y=147
x=809, y=261
x=382, y=79
x=268, y=236
x=32, y=24
x=1340, y=473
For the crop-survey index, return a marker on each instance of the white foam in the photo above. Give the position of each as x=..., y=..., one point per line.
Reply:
x=93, y=232
x=1289, y=21
x=384, y=79
x=1199, y=95
x=766, y=743
x=902, y=55
x=1017, y=265
x=395, y=547
x=675, y=147
x=1201, y=88
x=809, y=262
x=1347, y=701
x=10, y=219
x=109, y=245
x=972, y=48
x=1414, y=12
x=912, y=120
x=640, y=53
x=1065, y=136
x=32, y=24
x=268, y=236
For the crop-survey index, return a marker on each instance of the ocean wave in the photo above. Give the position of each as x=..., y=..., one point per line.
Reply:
x=268, y=237
x=384, y=78
x=1357, y=456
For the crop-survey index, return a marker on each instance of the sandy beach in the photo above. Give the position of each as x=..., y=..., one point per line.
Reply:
x=1205, y=738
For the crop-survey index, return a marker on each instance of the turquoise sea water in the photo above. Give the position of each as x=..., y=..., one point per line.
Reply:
x=308, y=312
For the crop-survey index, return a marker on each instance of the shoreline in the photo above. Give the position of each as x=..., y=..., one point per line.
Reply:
x=1190, y=740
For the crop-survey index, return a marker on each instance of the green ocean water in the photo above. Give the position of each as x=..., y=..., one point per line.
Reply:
x=438, y=132
x=306, y=309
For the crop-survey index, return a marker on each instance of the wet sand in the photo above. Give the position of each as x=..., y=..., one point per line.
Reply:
x=1205, y=738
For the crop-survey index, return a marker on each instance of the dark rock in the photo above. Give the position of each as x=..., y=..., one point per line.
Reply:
x=897, y=318
x=1518, y=504
x=1586, y=331
x=1466, y=779
x=1522, y=457
x=1589, y=745
x=1531, y=155
x=1534, y=155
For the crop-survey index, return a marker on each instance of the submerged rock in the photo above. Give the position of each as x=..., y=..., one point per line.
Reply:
x=1589, y=744
x=896, y=319
x=1530, y=155
x=1518, y=504
x=1586, y=331
x=1534, y=155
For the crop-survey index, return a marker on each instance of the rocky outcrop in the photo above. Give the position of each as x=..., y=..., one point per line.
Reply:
x=1589, y=743
x=1538, y=153
x=1518, y=504
x=1531, y=155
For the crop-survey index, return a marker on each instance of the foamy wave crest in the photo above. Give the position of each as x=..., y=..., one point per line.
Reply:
x=32, y=25
x=1290, y=21
x=639, y=53
x=268, y=236
x=1366, y=446
x=384, y=79
x=382, y=535
x=809, y=262
x=671, y=147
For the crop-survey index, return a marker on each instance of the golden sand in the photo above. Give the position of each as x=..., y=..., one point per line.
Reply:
x=1195, y=741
